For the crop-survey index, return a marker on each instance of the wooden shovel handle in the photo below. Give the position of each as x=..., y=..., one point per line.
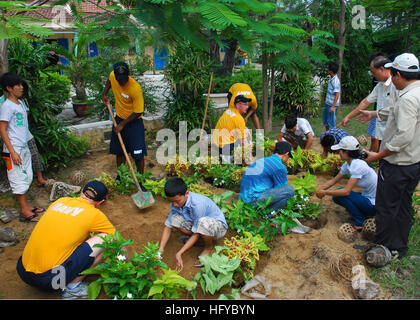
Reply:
x=123, y=148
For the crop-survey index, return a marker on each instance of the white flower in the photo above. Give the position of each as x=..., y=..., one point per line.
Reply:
x=121, y=257
x=129, y=295
x=115, y=298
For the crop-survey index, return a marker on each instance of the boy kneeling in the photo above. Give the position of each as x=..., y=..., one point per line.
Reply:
x=195, y=215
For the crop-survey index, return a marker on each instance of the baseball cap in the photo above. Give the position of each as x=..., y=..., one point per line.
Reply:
x=347, y=143
x=283, y=147
x=241, y=98
x=98, y=189
x=407, y=62
x=121, y=71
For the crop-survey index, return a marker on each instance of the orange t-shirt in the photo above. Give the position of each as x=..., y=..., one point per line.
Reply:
x=245, y=90
x=128, y=98
x=63, y=227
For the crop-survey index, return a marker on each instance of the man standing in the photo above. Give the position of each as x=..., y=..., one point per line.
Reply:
x=332, y=99
x=60, y=247
x=267, y=177
x=384, y=94
x=129, y=108
x=399, y=155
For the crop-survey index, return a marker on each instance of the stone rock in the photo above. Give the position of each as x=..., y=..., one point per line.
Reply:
x=61, y=189
x=366, y=290
x=7, y=237
x=8, y=214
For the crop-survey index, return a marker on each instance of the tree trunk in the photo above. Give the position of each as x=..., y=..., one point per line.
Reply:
x=214, y=52
x=272, y=93
x=341, y=40
x=229, y=59
x=4, y=62
x=341, y=36
x=266, y=121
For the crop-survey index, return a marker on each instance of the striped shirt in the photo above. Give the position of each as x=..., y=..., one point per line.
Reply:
x=337, y=133
x=264, y=174
x=333, y=87
x=197, y=206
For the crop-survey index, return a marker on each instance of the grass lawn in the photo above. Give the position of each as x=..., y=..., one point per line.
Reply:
x=355, y=128
x=402, y=277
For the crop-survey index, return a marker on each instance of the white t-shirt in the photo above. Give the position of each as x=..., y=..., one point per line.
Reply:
x=17, y=127
x=302, y=128
x=385, y=95
x=368, y=179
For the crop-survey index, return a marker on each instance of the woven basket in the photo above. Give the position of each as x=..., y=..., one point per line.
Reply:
x=347, y=233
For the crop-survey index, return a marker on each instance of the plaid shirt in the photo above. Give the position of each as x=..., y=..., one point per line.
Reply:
x=337, y=133
x=333, y=87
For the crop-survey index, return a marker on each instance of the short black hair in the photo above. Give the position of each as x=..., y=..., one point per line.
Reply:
x=327, y=141
x=333, y=67
x=380, y=61
x=290, y=122
x=9, y=79
x=175, y=187
x=406, y=75
x=354, y=154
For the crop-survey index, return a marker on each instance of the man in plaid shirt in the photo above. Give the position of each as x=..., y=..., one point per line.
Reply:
x=332, y=99
x=331, y=137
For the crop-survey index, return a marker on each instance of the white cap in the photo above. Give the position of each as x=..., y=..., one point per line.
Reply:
x=403, y=62
x=347, y=143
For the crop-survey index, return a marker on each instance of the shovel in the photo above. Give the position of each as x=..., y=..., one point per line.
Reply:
x=141, y=199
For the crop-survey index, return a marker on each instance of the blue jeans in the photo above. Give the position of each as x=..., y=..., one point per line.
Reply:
x=357, y=205
x=328, y=117
x=281, y=195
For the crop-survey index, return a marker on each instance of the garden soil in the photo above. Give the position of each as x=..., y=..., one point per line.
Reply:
x=291, y=267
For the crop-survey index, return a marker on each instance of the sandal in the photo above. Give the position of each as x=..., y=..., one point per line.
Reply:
x=357, y=228
x=38, y=210
x=29, y=219
x=198, y=263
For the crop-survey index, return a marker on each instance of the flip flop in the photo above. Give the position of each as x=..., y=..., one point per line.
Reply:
x=38, y=210
x=29, y=219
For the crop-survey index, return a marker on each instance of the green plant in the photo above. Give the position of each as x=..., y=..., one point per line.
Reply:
x=304, y=186
x=57, y=91
x=124, y=278
x=304, y=206
x=156, y=187
x=295, y=93
x=217, y=271
x=233, y=295
x=246, y=248
x=170, y=285
x=223, y=176
x=220, y=200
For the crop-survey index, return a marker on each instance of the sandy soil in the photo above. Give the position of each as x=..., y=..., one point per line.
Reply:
x=290, y=266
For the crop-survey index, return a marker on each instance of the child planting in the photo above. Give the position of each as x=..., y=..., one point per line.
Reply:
x=194, y=215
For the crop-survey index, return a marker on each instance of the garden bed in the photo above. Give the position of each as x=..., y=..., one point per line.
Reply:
x=291, y=266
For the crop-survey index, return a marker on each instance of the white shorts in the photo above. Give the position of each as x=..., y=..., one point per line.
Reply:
x=20, y=176
x=206, y=226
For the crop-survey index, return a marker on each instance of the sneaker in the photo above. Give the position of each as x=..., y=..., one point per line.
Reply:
x=81, y=291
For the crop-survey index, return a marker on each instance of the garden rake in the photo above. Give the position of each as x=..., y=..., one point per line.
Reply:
x=142, y=199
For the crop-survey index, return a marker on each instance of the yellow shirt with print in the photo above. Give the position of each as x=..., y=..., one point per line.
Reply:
x=229, y=128
x=64, y=226
x=128, y=98
x=245, y=90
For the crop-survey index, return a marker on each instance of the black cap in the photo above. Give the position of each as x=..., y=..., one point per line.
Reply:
x=241, y=98
x=98, y=189
x=121, y=71
x=283, y=147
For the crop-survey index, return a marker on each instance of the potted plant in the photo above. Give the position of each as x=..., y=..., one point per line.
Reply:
x=80, y=66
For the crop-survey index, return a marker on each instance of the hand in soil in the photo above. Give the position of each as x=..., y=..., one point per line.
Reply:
x=179, y=262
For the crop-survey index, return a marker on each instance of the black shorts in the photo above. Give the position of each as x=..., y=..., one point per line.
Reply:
x=133, y=138
x=79, y=260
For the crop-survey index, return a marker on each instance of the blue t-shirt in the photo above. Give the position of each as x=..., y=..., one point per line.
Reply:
x=197, y=206
x=264, y=174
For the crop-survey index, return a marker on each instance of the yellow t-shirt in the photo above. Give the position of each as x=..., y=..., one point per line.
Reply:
x=229, y=128
x=128, y=98
x=245, y=90
x=63, y=227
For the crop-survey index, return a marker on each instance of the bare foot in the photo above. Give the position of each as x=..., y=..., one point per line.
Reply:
x=41, y=182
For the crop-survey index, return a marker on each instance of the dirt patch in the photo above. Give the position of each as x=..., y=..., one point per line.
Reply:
x=291, y=266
